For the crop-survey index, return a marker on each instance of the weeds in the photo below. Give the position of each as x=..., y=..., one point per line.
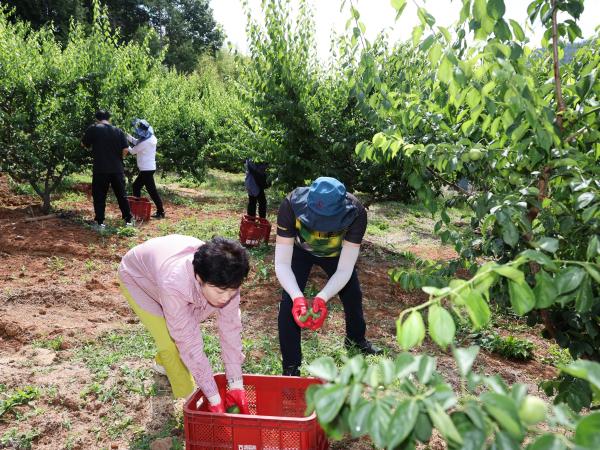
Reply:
x=510, y=347
x=557, y=356
x=51, y=344
x=13, y=438
x=56, y=264
x=17, y=398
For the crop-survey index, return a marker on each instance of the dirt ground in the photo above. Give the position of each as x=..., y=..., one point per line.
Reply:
x=57, y=279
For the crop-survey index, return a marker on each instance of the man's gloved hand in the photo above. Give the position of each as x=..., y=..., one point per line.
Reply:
x=237, y=397
x=300, y=313
x=218, y=408
x=319, y=313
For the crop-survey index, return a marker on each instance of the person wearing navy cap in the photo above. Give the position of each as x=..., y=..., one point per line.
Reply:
x=323, y=225
x=144, y=147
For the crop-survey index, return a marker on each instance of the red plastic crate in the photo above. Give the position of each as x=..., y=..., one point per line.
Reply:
x=276, y=420
x=254, y=230
x=140, y=208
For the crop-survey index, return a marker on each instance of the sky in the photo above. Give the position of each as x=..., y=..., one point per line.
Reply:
x=379, y=15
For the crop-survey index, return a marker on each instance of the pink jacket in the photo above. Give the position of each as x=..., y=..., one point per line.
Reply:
x=160, y=277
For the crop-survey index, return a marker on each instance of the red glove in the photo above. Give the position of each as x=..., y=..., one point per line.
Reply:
x=319, y=307
x=237, y=397
x=218, y=408
x=299, y=309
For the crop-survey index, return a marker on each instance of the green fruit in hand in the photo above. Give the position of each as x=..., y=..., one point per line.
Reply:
x=233, y=409
x=304, y=318
x=532, y=410
x=475, y=154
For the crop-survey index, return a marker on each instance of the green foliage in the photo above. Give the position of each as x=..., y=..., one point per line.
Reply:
x=398, y=404
x=305, y=119
x=510, y=347
x=19, y=397
x=491, y=111
x=13, y=438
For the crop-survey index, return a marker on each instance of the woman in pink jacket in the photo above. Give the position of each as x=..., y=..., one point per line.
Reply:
x=173, y=283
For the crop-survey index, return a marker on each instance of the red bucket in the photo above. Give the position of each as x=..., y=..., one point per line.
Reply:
x=276, y=420
x=254, y=230
x=140, y=208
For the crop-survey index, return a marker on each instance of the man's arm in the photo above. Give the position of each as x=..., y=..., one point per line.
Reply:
x=342, y=274
x=284, y=249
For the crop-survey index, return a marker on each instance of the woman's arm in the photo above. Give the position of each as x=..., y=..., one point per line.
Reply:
x=342, y=274
x=284, y=249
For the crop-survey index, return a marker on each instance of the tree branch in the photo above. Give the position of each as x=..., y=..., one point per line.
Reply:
x=557, y=86
x=449, y=183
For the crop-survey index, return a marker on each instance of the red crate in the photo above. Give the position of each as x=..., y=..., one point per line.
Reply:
x=140, y=208
x=276, y=420
x=254, y=230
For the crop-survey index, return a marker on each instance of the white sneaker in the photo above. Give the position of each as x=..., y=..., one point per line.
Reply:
x=99, y=227
x=129, y=224
x=159, y=369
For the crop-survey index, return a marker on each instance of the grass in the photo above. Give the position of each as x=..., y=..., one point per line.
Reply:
x=56, y=264
x=107, y=360
x=49, y=343
x=557, y=356
x=13, y=438
x=19, y=397
x=509, y=347
x=143, y=440
x=202, y=229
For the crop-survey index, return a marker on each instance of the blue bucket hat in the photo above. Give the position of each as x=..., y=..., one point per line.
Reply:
x=142, y=129
x=324, y=205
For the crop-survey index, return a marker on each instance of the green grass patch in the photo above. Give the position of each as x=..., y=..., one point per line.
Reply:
x=54, y=343
x=203, y=229
x=143, y=440
x=20, y=440
x=509, y=347
x=9, y=400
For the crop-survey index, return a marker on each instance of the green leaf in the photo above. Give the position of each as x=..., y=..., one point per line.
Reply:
x=593, y=248
x=504, y=411
x=477, y=308
x=504, y=441
x=405, y=364
x=517, y=30
x=584, y=298
x=398, y=5
x=379, y=423
x=496, y=9
x=412, y=331
x=502, y=31
x=358, y=420
x=417, y=32
x=569, y=279
x=329, y=401
x=445, y=70
x=465, y=357
x=387, y=370
x=441, y=326
x=510, y=235
x=587, y=433
x=522, y=298
x=547, y=244
x=540, y=258
x=423, y=427
x=402, y=422
x=324, y=368
x=548, y=442
x=545, y=292
x=426, y=368
x=586, y=370
x=510, y=273
x=594, y=273
x=442, y=422
x=584, y=199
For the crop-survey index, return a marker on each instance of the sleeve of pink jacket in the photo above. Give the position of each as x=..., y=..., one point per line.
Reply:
x=183, y=328
x=229, y=323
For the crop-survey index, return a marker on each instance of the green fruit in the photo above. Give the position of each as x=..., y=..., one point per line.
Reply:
x=315, y=315
x=304, y=318
x=233, y=409
x=475, y=154
x=532, y=410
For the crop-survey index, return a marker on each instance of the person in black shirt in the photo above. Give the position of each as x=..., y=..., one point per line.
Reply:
x=108, y=145
x=323, y=225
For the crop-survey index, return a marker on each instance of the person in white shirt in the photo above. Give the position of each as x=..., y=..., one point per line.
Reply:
x=144, y=147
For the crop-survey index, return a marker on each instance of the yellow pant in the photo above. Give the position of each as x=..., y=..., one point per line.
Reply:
x=167, y=354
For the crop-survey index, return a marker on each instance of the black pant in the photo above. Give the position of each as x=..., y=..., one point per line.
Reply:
x=146, y=179
x=100, y=183
x=351, y=296
x=262, y=204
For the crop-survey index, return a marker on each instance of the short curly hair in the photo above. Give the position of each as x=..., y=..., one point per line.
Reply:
x=222, y=262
